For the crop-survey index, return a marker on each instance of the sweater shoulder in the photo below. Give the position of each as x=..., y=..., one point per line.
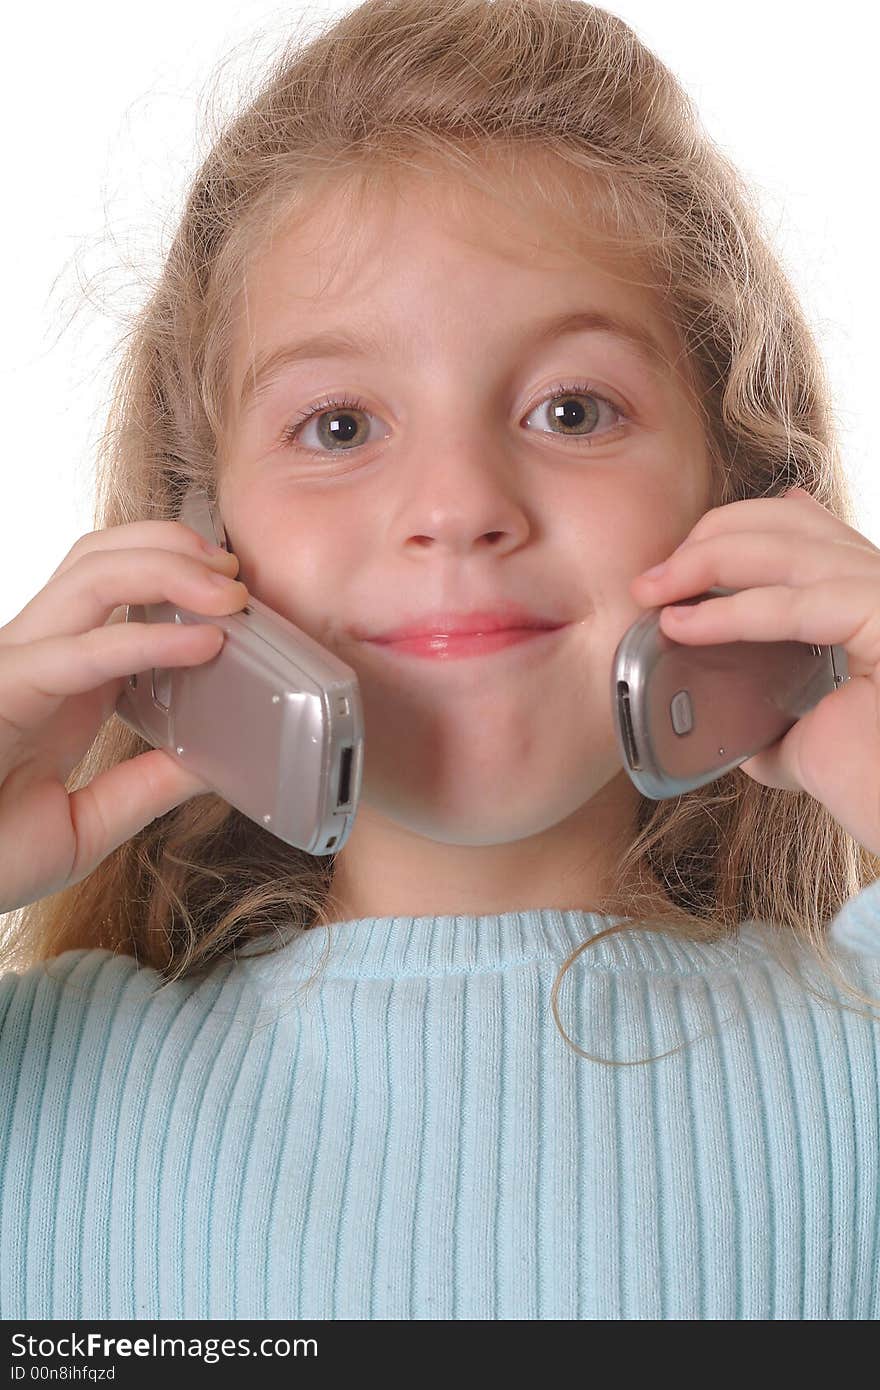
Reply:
x=66, y=984
x=73, y=981
x=64, y=1014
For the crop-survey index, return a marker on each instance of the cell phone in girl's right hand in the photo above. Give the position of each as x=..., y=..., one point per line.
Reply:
x=273, y=722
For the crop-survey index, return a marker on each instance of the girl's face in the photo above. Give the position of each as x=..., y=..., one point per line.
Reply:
x=473, y=451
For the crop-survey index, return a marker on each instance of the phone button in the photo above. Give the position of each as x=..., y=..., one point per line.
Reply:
x=682, y=713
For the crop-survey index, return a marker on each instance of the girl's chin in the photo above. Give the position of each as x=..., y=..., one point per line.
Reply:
x=465, y=814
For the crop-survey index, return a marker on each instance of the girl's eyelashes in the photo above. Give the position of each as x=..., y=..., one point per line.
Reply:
x=336, y=423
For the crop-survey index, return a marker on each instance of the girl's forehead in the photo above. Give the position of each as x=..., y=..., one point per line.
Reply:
x=542, y=212
x=393, y=287
x=331, y=247
x=381, y=246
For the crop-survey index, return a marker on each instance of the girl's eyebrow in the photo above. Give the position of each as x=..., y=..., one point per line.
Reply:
x=268, y=364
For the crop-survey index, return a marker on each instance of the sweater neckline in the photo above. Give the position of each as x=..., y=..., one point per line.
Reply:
x=389, y=947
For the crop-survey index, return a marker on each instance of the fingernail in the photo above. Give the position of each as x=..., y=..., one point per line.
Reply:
x=223, y=559
x=657, y=569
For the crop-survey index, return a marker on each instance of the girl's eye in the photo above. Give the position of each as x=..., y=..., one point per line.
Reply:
x=573, y=411
x=564, y=407
x=336, y=424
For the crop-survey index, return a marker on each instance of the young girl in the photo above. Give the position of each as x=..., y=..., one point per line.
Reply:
x=466, y=324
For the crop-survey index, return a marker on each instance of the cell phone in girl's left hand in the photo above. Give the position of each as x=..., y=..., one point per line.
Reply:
x=685, y=715
x=273, y=722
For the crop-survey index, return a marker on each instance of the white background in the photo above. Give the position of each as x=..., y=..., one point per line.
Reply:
x=102, y=111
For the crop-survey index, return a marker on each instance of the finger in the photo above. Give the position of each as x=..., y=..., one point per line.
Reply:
x=772, y=766
x=798, y=512
x=164, y=535
x=36, y=677
x=122, y=800
x=87, y=593
x=832, y=612
x=745, y=559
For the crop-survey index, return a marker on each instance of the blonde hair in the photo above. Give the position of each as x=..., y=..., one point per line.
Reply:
x=466, y=86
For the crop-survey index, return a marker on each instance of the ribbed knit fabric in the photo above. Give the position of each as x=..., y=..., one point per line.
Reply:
x=411, y=1138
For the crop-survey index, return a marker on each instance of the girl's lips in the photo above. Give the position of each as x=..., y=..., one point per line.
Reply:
x=501, y=616
x=445, y=646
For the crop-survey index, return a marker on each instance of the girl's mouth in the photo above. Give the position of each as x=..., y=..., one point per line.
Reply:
x=446, y=646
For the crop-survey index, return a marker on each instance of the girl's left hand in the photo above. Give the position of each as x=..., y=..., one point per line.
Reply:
x=803, y=576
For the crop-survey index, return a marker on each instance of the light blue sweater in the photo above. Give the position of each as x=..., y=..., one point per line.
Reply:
x=411, y=1138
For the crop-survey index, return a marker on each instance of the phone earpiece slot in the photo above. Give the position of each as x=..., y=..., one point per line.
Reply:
x=626, y=723
x=344, y=793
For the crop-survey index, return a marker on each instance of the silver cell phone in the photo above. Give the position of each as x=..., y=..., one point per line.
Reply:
x=273, y=722
x=685, y=715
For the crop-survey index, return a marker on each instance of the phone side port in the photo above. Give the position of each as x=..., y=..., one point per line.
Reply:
x=629, y=740
x=344, y=793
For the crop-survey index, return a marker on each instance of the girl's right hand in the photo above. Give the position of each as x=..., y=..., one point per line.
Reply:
x=63, y=663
